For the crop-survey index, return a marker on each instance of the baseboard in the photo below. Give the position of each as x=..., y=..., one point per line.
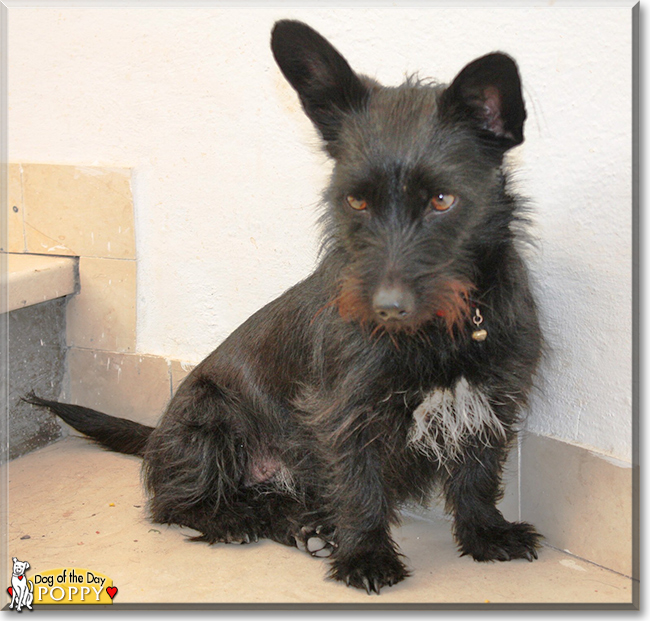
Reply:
x=581, y=501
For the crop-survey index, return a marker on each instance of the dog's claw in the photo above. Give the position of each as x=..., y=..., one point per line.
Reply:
x=371, y=571
x=531, y=555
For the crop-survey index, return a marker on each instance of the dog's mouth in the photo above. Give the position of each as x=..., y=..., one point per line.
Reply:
x=396, y=308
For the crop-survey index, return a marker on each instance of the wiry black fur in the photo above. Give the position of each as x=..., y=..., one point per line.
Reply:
x=299, y=422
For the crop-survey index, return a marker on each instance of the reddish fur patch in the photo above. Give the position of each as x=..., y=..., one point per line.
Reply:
x=452, y=303
x=350, y=303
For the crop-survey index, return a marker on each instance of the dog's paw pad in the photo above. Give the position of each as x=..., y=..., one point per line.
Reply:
x=314, y=542
x=319, y=547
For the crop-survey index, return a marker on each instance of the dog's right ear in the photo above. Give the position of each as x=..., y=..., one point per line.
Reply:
x=324, y=81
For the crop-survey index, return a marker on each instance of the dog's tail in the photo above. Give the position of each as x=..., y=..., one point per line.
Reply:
x=117, y=434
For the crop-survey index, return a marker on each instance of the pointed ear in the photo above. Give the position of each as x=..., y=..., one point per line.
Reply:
x=488, y=92
x=325, y=83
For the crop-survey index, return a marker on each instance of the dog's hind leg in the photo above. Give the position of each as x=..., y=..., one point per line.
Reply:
x=286, y=519
x=289, y=520
x=211, y=466
x=195, y=464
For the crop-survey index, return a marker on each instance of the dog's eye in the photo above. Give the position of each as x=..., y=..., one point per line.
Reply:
x=356, y=203
x=443, y=202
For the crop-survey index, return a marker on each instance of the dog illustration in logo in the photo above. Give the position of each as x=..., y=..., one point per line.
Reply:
x=22, y=589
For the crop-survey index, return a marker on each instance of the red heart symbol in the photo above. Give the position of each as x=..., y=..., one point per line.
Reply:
x=111, y=591
x=21, y=577
x=10, y=590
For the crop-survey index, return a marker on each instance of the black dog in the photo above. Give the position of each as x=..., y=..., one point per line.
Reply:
x=400, y=364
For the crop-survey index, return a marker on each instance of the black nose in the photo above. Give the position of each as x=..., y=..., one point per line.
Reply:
x=393, y=303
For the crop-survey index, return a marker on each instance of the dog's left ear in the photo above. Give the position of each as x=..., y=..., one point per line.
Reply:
x=488, y=92
x=26, y=565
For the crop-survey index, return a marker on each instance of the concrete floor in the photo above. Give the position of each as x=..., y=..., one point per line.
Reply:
x=72, y=504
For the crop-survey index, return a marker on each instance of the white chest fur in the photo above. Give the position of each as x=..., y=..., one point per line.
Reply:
x=447, y=418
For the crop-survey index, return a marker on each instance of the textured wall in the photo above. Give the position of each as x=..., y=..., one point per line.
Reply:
x=228, y=171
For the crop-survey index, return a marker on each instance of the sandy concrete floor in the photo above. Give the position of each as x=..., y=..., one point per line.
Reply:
x=72, y=504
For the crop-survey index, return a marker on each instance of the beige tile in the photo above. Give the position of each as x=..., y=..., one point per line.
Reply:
x=579, y=501
x=76, y=210
x=103, y=314
x=179, y=371
x=36, y=278
x=82, y=506
x=15, y=210
x=125, y=385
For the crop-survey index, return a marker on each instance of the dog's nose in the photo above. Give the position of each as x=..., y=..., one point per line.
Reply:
x=393, y=303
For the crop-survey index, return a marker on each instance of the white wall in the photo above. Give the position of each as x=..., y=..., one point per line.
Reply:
x=228, y=170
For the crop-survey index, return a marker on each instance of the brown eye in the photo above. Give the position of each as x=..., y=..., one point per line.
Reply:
x=356, y=203
x=443, y=202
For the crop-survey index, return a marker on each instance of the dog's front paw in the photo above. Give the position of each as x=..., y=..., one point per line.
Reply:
x=505, y=542
x=369, y=571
